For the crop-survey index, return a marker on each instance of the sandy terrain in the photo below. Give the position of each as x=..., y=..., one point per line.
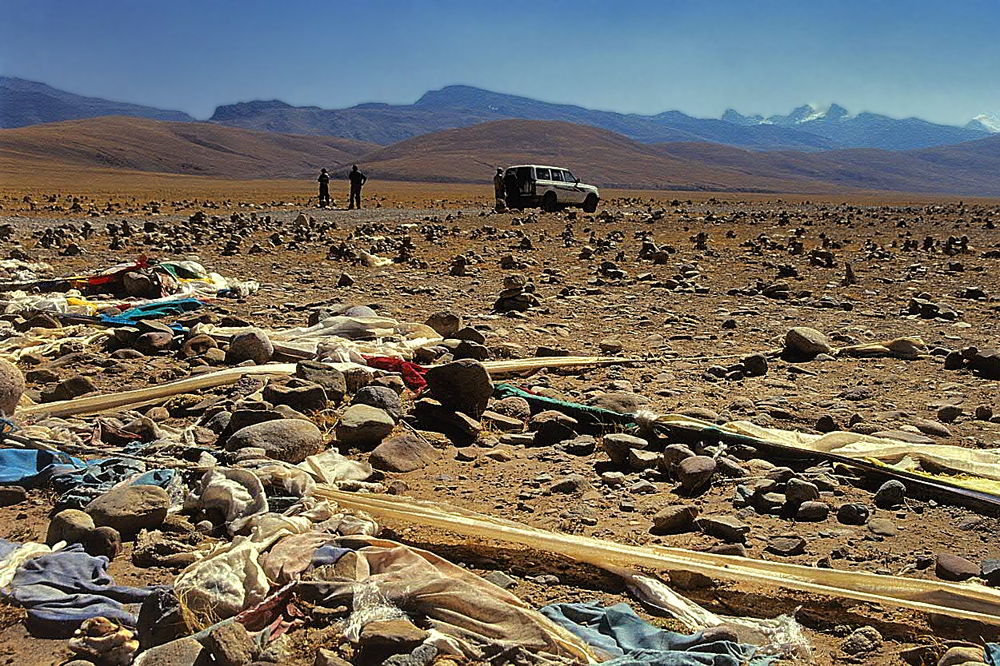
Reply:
x=701, y=307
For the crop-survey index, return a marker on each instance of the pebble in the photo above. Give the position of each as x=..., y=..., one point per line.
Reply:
x=806, y=342
x=787, y=545
x=695, y=473
x=11, y=387
x=500, y=579
x=954, y=568
x=890, y=494
x=812, y=512
x=948, y=413
x=727, y=528
x=382, y=397
x=675, y=518
x=462, y=385
x=882, y=527
x=853, y=514
x=69, y=525
x=618, y=446
x=403, y=453
x=249, y=345
x=862, y=640
x=572, y=484
x=798, y=491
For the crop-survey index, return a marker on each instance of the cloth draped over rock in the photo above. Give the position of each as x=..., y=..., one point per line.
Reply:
x=475, y=614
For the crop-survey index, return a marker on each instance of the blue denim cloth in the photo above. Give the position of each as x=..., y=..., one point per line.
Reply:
x=993, y=654
x=77, y=487
x=628, y=640
x=62, y=589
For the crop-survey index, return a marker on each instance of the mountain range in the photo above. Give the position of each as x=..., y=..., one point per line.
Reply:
x=806, y=129
x=25, y=103
x=468, y=154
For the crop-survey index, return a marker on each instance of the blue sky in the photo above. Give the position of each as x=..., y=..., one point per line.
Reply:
x=935, y=60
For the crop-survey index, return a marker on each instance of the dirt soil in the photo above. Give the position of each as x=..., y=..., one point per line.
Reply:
x=701, y=307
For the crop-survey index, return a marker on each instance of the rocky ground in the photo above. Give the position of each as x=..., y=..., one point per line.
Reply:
x=698, y=293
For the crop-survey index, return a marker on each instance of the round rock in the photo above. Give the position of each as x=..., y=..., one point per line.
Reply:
x=890, y=494
x=11, y=387
x=250, y=345
x=695, y=473
x=289, y=440
x=364, y=426
x=853, y=514
x=464, y=386
x=382, y=397
x=129, y=509
x=807, y=342
x=69, y=525
x=103, y=541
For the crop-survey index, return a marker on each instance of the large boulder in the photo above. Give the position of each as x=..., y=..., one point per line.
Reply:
x=11, y=387
x=364, y=426
x=464, y=386
x=806, y=342
x=288, y=440
x=404, y=453
x=129, y=509
x=250, y=345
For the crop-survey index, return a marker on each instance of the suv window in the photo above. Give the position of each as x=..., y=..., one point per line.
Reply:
x=557, y=175
x=568, y=177
x=541, y=174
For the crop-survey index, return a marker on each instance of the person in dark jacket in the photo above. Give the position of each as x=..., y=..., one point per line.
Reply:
x=512, y=189
x=324, y=188
x=498, y=187
x=357, y=180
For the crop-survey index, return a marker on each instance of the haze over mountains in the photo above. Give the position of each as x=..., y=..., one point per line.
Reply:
x=806, y=128
x=25, y=103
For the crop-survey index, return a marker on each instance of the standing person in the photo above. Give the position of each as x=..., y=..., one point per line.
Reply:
x=324, y=188
x=512, y=189
x=498, y=188
x=357, y=180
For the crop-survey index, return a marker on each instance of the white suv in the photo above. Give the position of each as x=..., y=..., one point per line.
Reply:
x=552, y=188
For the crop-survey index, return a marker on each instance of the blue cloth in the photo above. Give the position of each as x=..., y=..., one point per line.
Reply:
x=993, y=654
x=77, y=487
x=62, y=589
x=328, y=554
x=628, y=640
x=30, y=467
x=153, y=310
x=7, y=547
x=155, y=477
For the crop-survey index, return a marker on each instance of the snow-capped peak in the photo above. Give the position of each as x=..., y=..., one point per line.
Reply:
x=987, y=121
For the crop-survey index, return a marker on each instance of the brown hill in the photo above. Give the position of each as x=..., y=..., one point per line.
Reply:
x=141, y=144
x=611, y=160
x=471, y=154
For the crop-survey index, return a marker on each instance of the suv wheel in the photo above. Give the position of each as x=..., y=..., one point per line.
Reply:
x=590, y=205
x=549, y=203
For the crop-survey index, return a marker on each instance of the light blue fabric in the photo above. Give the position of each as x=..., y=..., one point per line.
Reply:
x=625, y=639
x=993, y=654
x=31, y=467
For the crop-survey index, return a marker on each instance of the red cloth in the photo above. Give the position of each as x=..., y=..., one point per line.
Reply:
x=413, y=374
